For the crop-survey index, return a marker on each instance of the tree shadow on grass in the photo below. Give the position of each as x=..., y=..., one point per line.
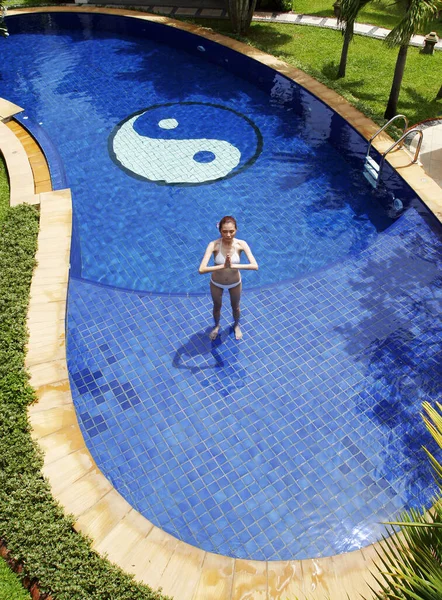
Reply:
x=267, y=38
x=419, y=108
x=342, y=84
x=330, y=70
x=355, y=88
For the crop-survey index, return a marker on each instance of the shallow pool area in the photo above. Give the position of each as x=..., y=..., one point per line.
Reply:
x=299, y=441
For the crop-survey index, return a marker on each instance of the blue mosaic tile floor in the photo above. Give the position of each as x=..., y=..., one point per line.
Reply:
x=297, y=442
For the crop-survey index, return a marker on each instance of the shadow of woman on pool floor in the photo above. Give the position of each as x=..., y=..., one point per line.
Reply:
x=223, y=360
x=197, y=353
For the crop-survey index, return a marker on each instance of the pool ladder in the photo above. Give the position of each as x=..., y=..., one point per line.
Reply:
x=372, y=169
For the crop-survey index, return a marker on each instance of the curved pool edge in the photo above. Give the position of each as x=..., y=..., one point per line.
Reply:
x=116, y=529
x=413, y=174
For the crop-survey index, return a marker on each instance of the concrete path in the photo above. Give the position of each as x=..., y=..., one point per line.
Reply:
x=430, y=155
x=217, y=9
x=331, y=23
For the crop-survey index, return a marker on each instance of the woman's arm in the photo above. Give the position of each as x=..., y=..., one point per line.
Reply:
x=204, y=268
x=253, y=265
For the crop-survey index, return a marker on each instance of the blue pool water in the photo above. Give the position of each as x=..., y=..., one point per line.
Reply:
x=299, y=441
x=86, y=86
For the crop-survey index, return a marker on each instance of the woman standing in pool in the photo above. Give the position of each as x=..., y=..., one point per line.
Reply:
x=226, y=272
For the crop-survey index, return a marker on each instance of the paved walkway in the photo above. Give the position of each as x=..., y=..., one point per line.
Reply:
x=331, y=23
x=430, y=155
x=217, y=9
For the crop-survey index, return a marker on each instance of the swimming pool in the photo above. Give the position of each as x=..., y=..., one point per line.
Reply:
x=114, y=90
x=251, y=463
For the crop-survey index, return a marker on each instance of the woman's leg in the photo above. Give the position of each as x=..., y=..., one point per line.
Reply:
x=217, y=297
x=235, y=299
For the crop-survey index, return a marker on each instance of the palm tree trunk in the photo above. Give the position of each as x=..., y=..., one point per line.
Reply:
x=344, y=53
x=391, y=109
x=241, y=13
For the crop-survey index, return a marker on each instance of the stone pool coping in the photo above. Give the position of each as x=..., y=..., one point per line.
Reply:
x=116, y=529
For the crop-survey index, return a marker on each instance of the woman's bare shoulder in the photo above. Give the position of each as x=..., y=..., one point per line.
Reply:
x=242, y=244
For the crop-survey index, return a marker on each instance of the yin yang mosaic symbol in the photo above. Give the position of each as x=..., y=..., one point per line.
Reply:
x=186, y=143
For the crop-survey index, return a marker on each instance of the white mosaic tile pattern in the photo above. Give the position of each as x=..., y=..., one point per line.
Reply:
x=173, y=161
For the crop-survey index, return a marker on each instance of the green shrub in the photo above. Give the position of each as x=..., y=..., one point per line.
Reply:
x=283, y=5
x=10, y=586
x=37, y=533
x=274, y=5
x=4, y=189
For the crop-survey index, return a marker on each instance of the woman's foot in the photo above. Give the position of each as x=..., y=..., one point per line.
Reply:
x=238, y=332
x=214, y=333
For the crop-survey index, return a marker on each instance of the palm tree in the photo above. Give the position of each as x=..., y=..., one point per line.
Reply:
x=241, y=13
x=349, y=10
x=416, y=13
x=411, y=563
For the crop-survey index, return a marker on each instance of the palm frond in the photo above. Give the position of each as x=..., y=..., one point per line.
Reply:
x=433, y=420
x=400, y=523
x=417, y=12
x=410, y=563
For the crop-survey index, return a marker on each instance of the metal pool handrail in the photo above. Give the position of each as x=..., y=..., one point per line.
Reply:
x=403, y=136
x=385, y=127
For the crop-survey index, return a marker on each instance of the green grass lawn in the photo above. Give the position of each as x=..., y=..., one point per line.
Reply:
x=384, y=14
x=369, y=70
x=10, y=586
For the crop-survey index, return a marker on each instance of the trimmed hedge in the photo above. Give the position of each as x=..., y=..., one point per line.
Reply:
x=4, y=189
x=37, y=534
x=10, y=586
